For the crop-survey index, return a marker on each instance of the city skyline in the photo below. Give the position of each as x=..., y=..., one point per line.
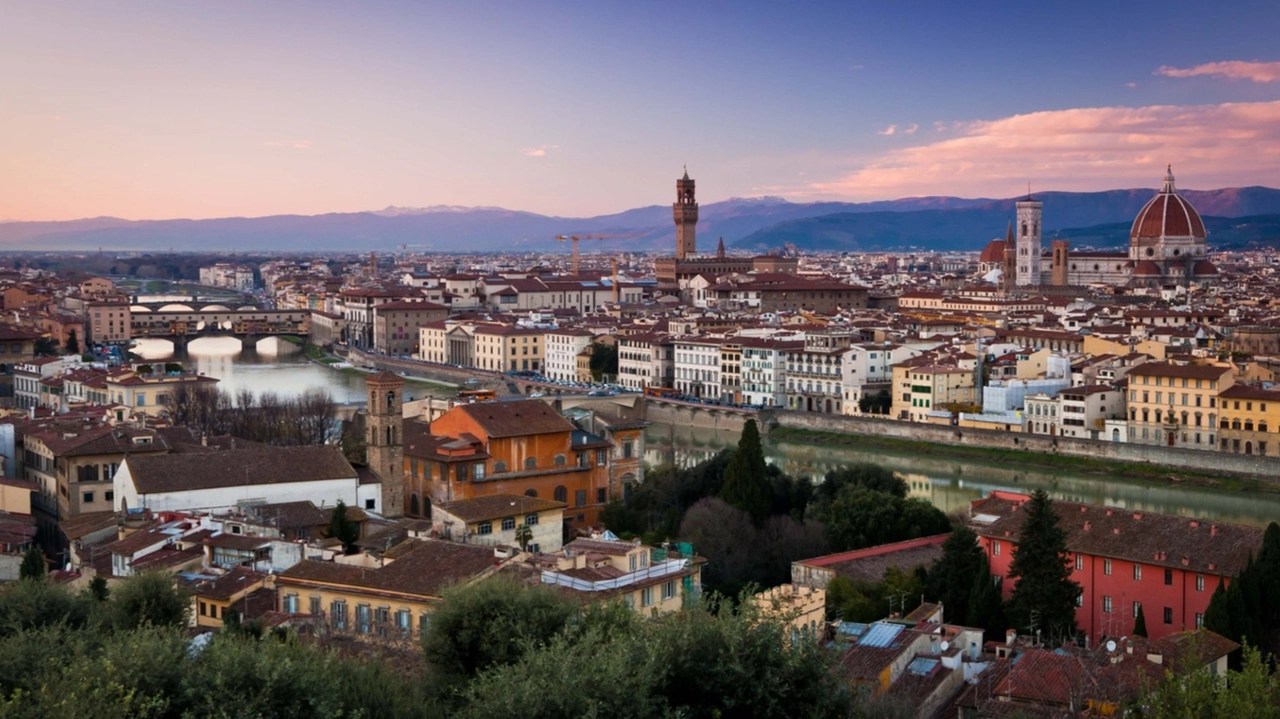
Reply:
x=159, y=111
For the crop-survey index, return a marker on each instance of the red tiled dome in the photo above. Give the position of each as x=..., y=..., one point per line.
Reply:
x=993, y=253
x=1204, y=268
x=1146, y=268
x=1167, y=215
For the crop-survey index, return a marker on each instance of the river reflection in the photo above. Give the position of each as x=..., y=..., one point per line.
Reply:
x=950, y=484
x=273, y=366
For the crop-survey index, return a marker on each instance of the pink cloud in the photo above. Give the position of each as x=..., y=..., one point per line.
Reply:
x=1233, y=69
x=888, y=130
x=1080, y=149
x=540, y=151
x=910, y=129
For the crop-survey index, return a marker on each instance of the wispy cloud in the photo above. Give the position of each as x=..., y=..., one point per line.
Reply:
x=910, y=129
x=1233, y=69
x=940, y=126
x=295, y=144
x=1079, y=149
x=890, y=130
x=855, y=68
x=540, y=150
x=1131, y=84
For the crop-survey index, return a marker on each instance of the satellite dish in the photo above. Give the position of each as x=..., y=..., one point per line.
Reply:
x=1111, y=645
x=946, y=646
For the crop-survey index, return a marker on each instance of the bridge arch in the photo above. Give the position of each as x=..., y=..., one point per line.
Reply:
x=176, y=307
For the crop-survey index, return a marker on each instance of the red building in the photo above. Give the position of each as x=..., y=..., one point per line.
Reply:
x=1123, y=559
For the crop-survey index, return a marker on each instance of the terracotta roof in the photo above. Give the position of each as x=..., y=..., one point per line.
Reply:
x=870, y=564
x=425, y=570
x=496, y=506
x=1169, y=369
x=515, y=419
x=1167, y=215
x=274, y=465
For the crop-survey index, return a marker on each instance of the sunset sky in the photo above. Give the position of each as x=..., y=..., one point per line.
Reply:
x=148, y=110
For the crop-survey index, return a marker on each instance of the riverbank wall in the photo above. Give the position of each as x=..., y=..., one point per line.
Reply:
x=696, y=415
x=1206, y=461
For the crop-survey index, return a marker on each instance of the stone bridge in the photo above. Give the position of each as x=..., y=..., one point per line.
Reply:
x=249, y=323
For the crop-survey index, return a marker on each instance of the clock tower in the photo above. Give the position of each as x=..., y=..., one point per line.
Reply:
x=685, y=211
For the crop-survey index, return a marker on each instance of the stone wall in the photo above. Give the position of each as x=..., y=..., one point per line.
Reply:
x=1266, y=468
x=696, y=415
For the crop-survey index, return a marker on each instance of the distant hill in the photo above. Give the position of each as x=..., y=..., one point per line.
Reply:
x=1100, y=218
x=754, y=224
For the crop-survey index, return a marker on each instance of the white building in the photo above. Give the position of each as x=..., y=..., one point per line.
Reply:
x=764, y=371
x=872, y=364
x=1085, y=410
x=560, y=352
x=697, y=366
x=501, y=519
x=215, y=481
x=645, y=361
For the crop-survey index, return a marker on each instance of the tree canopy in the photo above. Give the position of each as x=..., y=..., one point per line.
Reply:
x=1044, y=598
x=745, y=484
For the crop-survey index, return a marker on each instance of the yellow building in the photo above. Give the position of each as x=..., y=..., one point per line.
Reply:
x=648, y=580
x=108, y=321
x=1176, y=405
x=508, y=349
x=152, y=393
x=393, y=599
x=921, y=389
x=1249, y=420
x=803, y=608
x=242, y=589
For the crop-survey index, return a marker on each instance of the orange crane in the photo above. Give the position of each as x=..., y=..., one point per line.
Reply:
x=575, y=239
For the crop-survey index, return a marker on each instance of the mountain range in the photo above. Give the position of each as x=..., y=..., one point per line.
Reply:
x=755, y=224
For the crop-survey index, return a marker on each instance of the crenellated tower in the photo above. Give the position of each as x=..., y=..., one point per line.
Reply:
x=685, y=212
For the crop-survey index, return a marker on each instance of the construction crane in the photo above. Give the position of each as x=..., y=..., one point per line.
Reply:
x=576, y=238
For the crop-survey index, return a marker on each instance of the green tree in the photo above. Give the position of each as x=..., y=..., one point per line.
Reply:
x=1246, y=610
x=745, y=483
x=1041, y=568
x=860, y=517
x=33, y=564
x=604, y=360
x=73, y=343
x=343, y=528
x=986, y=605
x=98, y=588
x=149, y=599
x=494, y=622
x=45, y=347
x=952, y=577
x=1140, y=624
x=1252, y=692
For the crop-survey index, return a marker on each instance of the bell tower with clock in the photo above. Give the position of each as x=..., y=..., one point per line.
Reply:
x=685, y=211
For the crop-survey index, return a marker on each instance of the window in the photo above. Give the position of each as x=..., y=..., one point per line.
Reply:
x=1168, y=615
x=530, y=462
x=371, y=504
x=646, y=596
x=508, y=524
x=338, y=614
x=485, y=528
x=601, y=496
x=109, y=495
x=1199, y=621
x=561, y=494
x=1137, y=607
x=995, y=548
x=1106, y=605
x=560, y=460
x=381, y=618
x=362, y=618
x=1106, y=566
x=290, y=604
x=1168, y=577
x=315, y=605
x=88, y=497
x=627, y=449
x=403, y=622
x=477, y=471
x=530, y=520
x=1137, y=572
x=580, y=498
x=204, y=609
x=1199, y=582
x=1079, y=562
x=601, y=457
x=499, y=467
x=668, y=590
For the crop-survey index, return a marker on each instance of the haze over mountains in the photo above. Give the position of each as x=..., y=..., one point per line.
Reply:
x=757, y=224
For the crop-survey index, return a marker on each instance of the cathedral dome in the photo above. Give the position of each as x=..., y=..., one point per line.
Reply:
x=993, y=253
x=1167, y=216
x=1146, y=268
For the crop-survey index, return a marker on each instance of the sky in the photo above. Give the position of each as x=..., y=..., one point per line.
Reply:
x=154, y=110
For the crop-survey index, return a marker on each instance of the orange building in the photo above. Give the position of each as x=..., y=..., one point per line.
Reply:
x=520, y=447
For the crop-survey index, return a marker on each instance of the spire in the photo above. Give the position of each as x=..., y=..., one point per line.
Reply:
x=1008, y=236
x=1168, y=180
x=686, y=172
x=720, y=248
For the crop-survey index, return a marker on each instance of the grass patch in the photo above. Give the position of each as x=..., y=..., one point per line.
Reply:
x=330, y=360
x=1080, y=465
x=292, y=340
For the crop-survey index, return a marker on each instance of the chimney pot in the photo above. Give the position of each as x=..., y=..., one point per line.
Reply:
x=1115, y=531
x=1083, y=509
x=1194, y=524
x=1109, y=511
x=1213, y=530
x=1087, y=526
x=1186, y=560
x=1009, y=636
x=1137, y=515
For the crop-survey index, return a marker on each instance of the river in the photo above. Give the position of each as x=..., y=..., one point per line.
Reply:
x=275, y=366
x=950, y=484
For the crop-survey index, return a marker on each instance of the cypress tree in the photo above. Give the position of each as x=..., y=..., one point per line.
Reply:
x=953, y=576
x=33, y=566
x=745, y=483
x=1140, y=624
x=343, y=529
x=986, y=606
x=1042, y=570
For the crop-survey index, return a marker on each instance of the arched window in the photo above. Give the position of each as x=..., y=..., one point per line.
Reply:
x=413, y=504
x=530, y=462
x=391, y=400
x=561, y=494
x=499, y=466
x=389, y=442
x=531, y=493
x=560, y=460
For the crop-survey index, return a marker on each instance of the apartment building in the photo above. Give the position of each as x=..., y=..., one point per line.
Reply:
x=815, y=373
x=919, y=389
x=764, y=370
x=646, y=360
x=503, y=348
x=561, y=349
x=1176, y=405
x=396, y=324
x=1249, y=420
x=697, y=367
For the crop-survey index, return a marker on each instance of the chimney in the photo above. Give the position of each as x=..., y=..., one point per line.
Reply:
x=1213, y=530
x=1137, y=515
x=1109, y=511
x=1087, y=526
x=1194, y=524
x=1084, y=508
x=1115, y=530
x=1009, y=636
x=974, y=651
